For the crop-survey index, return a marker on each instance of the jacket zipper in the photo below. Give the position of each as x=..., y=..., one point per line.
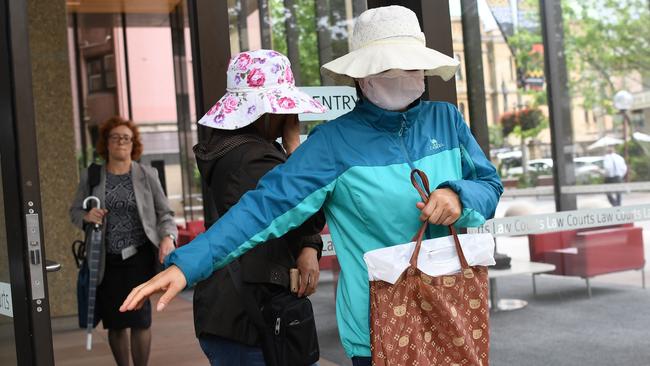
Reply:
x=402, y=145
x=468, y=160
x=277, y=326
x=402, y=129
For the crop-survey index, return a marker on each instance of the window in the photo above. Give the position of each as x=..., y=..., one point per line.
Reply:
x=109, y=71
x=101, y=73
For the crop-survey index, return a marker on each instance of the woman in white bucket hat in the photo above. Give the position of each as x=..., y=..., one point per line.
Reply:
x=384, y=39
x=357, y=169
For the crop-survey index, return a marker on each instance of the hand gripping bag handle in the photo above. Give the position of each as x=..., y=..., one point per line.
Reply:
x=423, y=190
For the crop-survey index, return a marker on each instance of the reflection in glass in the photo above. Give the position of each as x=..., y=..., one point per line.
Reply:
x=604, y=55
x=595, y=74
x=309, y=32
x=139, y=65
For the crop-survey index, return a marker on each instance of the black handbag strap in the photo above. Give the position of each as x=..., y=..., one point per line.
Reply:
x=79, y=252
x=254, y=313
x=94, y=175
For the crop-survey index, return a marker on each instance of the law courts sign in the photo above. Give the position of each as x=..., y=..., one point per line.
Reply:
x=5, y=300
x=564, y=220
x=339, y=100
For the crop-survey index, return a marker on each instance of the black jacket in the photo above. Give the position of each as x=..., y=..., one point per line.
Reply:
x=218, y=309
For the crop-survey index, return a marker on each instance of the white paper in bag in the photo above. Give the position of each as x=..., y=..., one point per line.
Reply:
x=437, y=257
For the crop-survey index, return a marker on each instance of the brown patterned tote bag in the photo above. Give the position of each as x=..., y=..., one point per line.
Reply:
x=431, y=320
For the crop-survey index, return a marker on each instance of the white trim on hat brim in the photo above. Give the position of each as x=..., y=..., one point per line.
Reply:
x=379, y=57
x=262, y=101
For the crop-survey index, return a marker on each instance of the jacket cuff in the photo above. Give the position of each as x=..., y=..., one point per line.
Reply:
x=313, y=241
x=447, y=184
x=190, y=258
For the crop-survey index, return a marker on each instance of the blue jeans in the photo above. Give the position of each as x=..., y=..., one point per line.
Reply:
x=361, y=361
x=221, y=351
x=224, y=352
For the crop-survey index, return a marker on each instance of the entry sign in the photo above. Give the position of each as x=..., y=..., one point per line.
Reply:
x=5, y=300
x=339, y=100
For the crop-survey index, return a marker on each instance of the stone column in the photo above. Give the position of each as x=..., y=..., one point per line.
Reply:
x=55, y=144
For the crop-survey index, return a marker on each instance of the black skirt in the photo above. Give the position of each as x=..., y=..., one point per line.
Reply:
x=120, y=277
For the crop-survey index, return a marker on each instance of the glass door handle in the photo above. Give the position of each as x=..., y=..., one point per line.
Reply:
x=52, y=266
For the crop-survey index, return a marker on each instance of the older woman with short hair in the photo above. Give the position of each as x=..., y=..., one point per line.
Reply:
x=138, y=223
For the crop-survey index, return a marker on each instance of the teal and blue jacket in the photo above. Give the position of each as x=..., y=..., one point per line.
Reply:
x=356, y=168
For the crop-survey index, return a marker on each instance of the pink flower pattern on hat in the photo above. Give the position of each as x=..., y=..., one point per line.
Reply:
x=288, y=76
x=243, y=61
x=258, y=82
x=256, y=78
x=230, y=104
x=214, y=108
x=286, y=103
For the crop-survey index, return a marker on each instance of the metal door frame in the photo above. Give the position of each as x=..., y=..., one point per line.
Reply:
x=21, y=189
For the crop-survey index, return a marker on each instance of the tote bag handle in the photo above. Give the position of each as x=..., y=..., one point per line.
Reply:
x=423, y=190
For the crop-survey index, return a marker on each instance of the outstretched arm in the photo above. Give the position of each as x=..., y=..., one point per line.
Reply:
x=285, y=197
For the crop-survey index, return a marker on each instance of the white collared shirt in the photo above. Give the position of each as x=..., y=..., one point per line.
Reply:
x=614, y=165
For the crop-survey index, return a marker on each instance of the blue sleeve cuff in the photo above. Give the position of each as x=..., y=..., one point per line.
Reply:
x=469, y=216
x=191, y=258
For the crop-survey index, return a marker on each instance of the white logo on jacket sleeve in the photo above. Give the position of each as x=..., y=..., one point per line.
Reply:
x=435, y=145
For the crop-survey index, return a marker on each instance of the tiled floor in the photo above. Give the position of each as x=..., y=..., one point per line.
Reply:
x=173, y=340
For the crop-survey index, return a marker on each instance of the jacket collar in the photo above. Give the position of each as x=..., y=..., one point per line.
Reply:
x=388, y=121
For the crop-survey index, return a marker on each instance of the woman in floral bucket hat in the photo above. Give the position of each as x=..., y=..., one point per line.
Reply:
x=258, y=82
x=260, y=105
x=357, y=169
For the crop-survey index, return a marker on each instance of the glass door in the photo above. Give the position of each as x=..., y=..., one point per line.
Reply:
x=7, y=335
x=25, y=329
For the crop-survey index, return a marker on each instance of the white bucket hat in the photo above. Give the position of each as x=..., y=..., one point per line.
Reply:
x=258, y=82
x=388, y=38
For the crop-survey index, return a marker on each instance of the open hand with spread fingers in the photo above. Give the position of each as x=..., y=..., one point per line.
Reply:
x=170, y=281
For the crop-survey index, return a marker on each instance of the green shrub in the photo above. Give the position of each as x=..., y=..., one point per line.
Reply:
x=638, y=161
x=528, y=181
x=639, y=168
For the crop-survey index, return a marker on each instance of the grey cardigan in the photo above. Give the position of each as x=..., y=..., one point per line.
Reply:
x=153, y=207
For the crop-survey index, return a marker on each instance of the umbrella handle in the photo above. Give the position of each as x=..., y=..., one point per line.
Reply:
x=98, y=203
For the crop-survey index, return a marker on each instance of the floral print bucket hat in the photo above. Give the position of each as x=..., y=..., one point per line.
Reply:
x=258, y=82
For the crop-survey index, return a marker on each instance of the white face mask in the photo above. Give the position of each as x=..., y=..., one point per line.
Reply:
x=393, y=89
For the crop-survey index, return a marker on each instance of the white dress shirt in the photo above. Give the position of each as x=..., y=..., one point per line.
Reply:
x=614, y=165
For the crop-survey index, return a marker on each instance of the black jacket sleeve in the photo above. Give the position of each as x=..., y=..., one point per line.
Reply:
x=240, y=171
